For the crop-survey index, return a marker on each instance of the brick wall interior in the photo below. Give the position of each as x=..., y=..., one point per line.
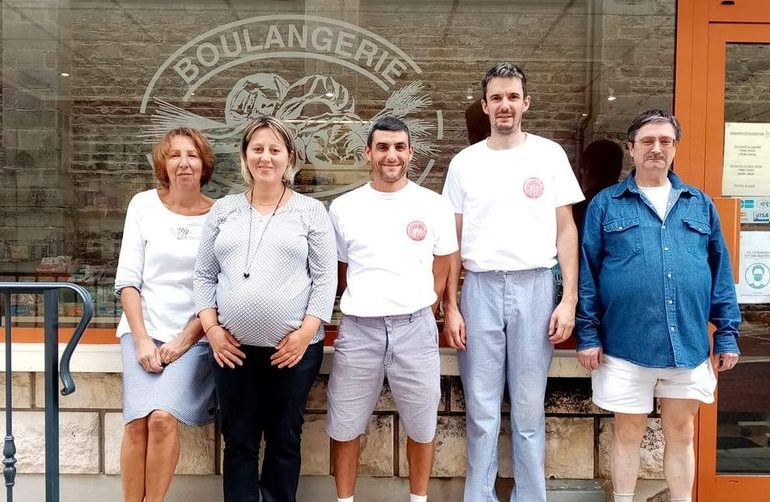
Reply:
x=75, y=148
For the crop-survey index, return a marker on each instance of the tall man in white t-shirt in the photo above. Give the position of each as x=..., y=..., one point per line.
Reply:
x=512, y=196
x=394, y=240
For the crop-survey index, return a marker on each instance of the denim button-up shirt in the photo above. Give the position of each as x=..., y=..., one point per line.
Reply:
x=648, y=286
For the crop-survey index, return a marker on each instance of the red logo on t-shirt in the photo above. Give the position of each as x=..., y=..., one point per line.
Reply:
x=416, y=230
x=533, y=188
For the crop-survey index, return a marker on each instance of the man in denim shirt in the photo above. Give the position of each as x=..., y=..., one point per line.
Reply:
x=654, y=271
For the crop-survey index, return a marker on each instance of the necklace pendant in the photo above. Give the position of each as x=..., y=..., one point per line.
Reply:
x=249, y=262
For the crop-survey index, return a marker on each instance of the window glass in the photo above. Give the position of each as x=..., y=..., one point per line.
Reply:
x=88, y=87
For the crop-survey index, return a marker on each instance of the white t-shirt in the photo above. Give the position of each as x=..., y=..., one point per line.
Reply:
x=157, y=257
x=508, y=200
x=658, y=197
x=388, y=240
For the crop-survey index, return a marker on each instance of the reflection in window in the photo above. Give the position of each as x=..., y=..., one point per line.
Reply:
x=743, y=421
x=88, y=86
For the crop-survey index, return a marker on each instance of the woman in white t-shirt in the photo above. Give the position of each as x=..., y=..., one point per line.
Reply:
x=166, y=374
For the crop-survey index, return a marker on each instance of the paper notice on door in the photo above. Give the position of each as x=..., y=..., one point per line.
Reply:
x=754, y=273
x=746, y=166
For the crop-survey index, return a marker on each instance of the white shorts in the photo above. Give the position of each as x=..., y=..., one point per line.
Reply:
x=624, y=387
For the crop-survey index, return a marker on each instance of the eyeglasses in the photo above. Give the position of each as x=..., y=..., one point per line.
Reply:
x=665, y=142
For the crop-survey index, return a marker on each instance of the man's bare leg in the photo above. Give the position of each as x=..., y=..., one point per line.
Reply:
x=624, y=454
x=678, y=421
x=420, y=458
x=345, y=464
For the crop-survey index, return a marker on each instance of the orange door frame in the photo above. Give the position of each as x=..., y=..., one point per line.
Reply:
x=702, y=34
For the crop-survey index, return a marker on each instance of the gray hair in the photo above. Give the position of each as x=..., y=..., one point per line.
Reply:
x=653, y=117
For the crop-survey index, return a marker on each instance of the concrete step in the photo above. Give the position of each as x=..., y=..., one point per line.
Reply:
x=103, y=488
x=753, y=428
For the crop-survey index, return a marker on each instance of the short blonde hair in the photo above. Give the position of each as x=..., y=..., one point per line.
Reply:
x=280, y=130
x=162, y=149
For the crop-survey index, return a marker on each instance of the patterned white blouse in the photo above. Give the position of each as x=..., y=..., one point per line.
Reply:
x=290, y=270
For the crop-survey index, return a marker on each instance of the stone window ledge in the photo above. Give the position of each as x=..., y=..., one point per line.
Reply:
x=105, y=358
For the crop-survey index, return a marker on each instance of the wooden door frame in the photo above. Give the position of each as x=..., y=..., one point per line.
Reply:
x=702, y=34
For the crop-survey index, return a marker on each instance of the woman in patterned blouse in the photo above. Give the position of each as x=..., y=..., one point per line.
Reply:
x=265, y=283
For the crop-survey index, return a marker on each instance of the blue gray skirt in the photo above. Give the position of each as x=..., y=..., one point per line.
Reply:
x=185, y=388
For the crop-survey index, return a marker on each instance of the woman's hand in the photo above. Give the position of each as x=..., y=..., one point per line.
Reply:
x=173, y=350
x=290, y=350
x=147, y=354
x=224, y=346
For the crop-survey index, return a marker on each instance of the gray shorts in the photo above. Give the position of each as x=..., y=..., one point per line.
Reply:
x=403, y=348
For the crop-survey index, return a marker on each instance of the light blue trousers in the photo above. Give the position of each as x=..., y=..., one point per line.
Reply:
x=506, y=317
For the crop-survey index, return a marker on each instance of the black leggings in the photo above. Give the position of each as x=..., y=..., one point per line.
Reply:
x=257, y=400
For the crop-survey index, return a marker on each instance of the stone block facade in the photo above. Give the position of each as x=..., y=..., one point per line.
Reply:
x=91, y=428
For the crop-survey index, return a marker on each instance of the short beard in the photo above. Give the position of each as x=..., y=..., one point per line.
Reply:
x=507, y=131
x=402, y=172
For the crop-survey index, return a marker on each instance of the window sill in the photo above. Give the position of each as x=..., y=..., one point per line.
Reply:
x=105, y=358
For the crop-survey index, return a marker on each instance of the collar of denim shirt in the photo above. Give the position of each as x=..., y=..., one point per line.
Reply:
x=629, y=185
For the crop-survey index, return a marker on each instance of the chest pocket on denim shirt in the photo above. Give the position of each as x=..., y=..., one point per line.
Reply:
x=622, y=237
x=696, y=235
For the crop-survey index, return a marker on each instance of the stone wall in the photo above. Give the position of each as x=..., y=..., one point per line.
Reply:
x=578, y=433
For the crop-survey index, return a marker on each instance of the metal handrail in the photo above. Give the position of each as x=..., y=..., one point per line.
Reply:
x=50, y=292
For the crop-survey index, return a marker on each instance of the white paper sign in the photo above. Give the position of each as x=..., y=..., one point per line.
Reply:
x=754, y=285
x=746, y=164
x=756, y=210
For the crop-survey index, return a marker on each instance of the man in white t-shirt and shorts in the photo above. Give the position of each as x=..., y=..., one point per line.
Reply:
x=394, y=240
x=512, y=196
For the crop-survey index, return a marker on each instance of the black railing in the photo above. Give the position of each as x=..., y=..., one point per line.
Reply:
x=50, y=292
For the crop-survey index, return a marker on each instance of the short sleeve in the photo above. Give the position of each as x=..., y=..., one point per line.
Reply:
x=567, y=187
x=446, y=229
x=453, y=191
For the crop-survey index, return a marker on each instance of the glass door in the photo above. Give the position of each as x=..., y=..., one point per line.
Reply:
x=734, y=445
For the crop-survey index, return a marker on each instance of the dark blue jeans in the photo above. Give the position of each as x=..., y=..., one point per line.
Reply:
x=258, y=400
